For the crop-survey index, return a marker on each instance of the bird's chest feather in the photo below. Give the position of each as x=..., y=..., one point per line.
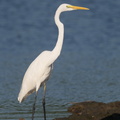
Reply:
x=45, y=76
x=47, y=72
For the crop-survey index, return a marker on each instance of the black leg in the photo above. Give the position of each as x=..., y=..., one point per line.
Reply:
x=33, y=112
x=43, y=102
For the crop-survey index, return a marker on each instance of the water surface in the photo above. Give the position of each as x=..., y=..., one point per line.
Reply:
x=89, y=65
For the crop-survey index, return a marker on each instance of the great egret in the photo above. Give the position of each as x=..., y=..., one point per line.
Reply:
x=40, y=69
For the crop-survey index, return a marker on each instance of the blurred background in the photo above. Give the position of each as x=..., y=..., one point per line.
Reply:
x=88, y=68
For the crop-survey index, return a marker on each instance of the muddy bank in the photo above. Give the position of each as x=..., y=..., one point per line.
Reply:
x=94, y=111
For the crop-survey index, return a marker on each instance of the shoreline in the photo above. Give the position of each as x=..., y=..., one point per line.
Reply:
x=91, y=110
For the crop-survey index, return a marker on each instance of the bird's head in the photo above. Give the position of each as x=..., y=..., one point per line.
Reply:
x=68, y=7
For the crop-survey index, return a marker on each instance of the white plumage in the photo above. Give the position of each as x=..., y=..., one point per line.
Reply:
x=40, y=69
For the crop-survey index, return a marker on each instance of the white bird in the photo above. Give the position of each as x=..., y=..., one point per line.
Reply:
x=40, y=69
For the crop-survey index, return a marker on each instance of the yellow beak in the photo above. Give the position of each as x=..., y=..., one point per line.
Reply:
x=78, y=8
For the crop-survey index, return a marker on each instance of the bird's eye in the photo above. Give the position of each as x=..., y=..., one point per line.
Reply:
x=68, y=6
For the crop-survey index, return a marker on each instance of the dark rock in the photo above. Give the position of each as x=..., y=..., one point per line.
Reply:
x=92, y=110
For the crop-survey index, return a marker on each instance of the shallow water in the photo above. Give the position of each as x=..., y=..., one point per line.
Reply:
x=89, y=65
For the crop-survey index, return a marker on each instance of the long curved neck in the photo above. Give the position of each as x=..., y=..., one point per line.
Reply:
x=57, y=49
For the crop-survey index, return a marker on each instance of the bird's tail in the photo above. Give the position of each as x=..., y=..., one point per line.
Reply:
x=23, y=95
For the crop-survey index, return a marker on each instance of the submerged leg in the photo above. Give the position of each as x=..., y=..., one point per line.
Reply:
x=43, y=102
x=33, y=112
